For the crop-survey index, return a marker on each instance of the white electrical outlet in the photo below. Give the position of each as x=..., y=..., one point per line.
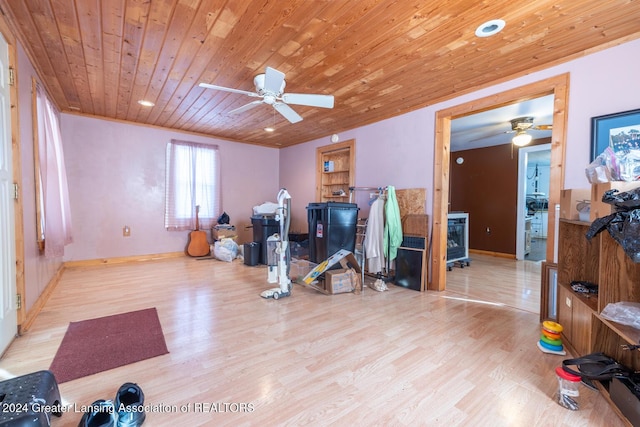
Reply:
x=567, y=301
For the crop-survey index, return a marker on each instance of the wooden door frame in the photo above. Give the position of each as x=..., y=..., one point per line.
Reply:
x=17, y=170
x=559, y=87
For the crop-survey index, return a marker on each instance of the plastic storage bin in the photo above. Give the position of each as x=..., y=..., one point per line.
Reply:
x=568, y=389
x=252, y=253
x=263, y=227
x=332, y=226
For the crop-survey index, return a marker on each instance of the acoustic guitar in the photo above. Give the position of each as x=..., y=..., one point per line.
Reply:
x=198, y=244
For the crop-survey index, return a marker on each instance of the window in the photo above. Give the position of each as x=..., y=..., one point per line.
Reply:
x=53, y=212
x=193, y=179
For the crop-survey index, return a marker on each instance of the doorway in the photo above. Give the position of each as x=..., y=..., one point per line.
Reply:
x=558, y=86
x=534, y=165
x=485, y=139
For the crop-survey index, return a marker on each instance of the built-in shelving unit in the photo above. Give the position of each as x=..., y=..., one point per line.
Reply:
x=335, y=171
x=602, y=261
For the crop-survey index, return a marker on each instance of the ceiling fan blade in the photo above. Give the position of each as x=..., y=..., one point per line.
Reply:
x=312, y=100
x=245, y=107
x=273, y=80
x=227, y=89
x=287, y=112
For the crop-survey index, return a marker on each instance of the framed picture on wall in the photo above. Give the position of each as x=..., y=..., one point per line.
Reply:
x=620, y=131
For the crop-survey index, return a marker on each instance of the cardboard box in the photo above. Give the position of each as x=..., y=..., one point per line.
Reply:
x=343, y=256
x=220, y=232
x=341, y=280
x=599, y=208
x=569, y=199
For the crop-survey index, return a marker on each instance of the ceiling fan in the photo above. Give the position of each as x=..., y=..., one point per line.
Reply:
x=520, y=126
x=270, y=88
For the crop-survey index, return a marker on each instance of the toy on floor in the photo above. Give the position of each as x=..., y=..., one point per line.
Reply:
x=551, y=338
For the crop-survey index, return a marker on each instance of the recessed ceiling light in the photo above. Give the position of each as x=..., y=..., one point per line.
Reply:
x=490, y=28
x=146, y=103
x=269, y=129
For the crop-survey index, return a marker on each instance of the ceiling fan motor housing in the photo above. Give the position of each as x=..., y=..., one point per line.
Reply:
x=258, y=82
x=522, y=123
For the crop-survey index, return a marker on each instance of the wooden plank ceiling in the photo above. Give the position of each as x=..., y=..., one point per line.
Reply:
x=378, y=58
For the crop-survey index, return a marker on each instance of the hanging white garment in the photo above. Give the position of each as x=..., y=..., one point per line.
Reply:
x=374, y=237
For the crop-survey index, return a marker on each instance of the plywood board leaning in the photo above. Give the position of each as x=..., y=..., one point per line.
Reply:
x=416, y=225
x=412, y=201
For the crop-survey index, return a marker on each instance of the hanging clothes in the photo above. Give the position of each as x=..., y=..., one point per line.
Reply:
x=374, y=237
x=393, y=225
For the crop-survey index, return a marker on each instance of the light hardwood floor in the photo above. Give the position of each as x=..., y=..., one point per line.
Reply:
x=395, y=358
x=498, y=280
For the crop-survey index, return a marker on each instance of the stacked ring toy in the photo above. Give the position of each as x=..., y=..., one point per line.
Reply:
x=550, y=338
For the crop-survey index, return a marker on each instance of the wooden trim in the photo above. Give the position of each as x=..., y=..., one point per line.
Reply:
x=547, y=267
x=169, y=129
x=36, y=164
x=122, y=260
x=559, y=87
x=492, y=253
x=17, y=167
x=37, y=306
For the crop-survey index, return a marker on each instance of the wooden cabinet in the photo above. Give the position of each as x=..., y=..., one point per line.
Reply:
x=603, y=261
x=335, y=171
x=574, y=314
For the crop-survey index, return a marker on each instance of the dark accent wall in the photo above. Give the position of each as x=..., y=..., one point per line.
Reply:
x=486, y=186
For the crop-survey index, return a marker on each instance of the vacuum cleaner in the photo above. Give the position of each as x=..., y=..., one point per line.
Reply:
x=279, y=257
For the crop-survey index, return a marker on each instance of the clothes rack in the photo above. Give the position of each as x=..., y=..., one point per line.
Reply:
x=361, y=231
x=380, y=190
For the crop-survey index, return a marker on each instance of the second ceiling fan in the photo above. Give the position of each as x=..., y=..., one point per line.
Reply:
x=520, y=126
x=270, y=88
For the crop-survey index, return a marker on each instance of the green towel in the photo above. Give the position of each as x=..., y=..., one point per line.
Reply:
x=392, y=226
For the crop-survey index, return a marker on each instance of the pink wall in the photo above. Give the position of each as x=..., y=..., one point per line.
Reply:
x=392, y=152
x=399, y=151
x=116, y=174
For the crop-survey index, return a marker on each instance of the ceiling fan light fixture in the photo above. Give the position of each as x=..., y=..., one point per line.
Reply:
x=146, y=103
x=490, y=28
x=521, y=139
x=270, y=87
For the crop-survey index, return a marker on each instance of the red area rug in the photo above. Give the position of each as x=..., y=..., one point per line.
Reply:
x=96, y=345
